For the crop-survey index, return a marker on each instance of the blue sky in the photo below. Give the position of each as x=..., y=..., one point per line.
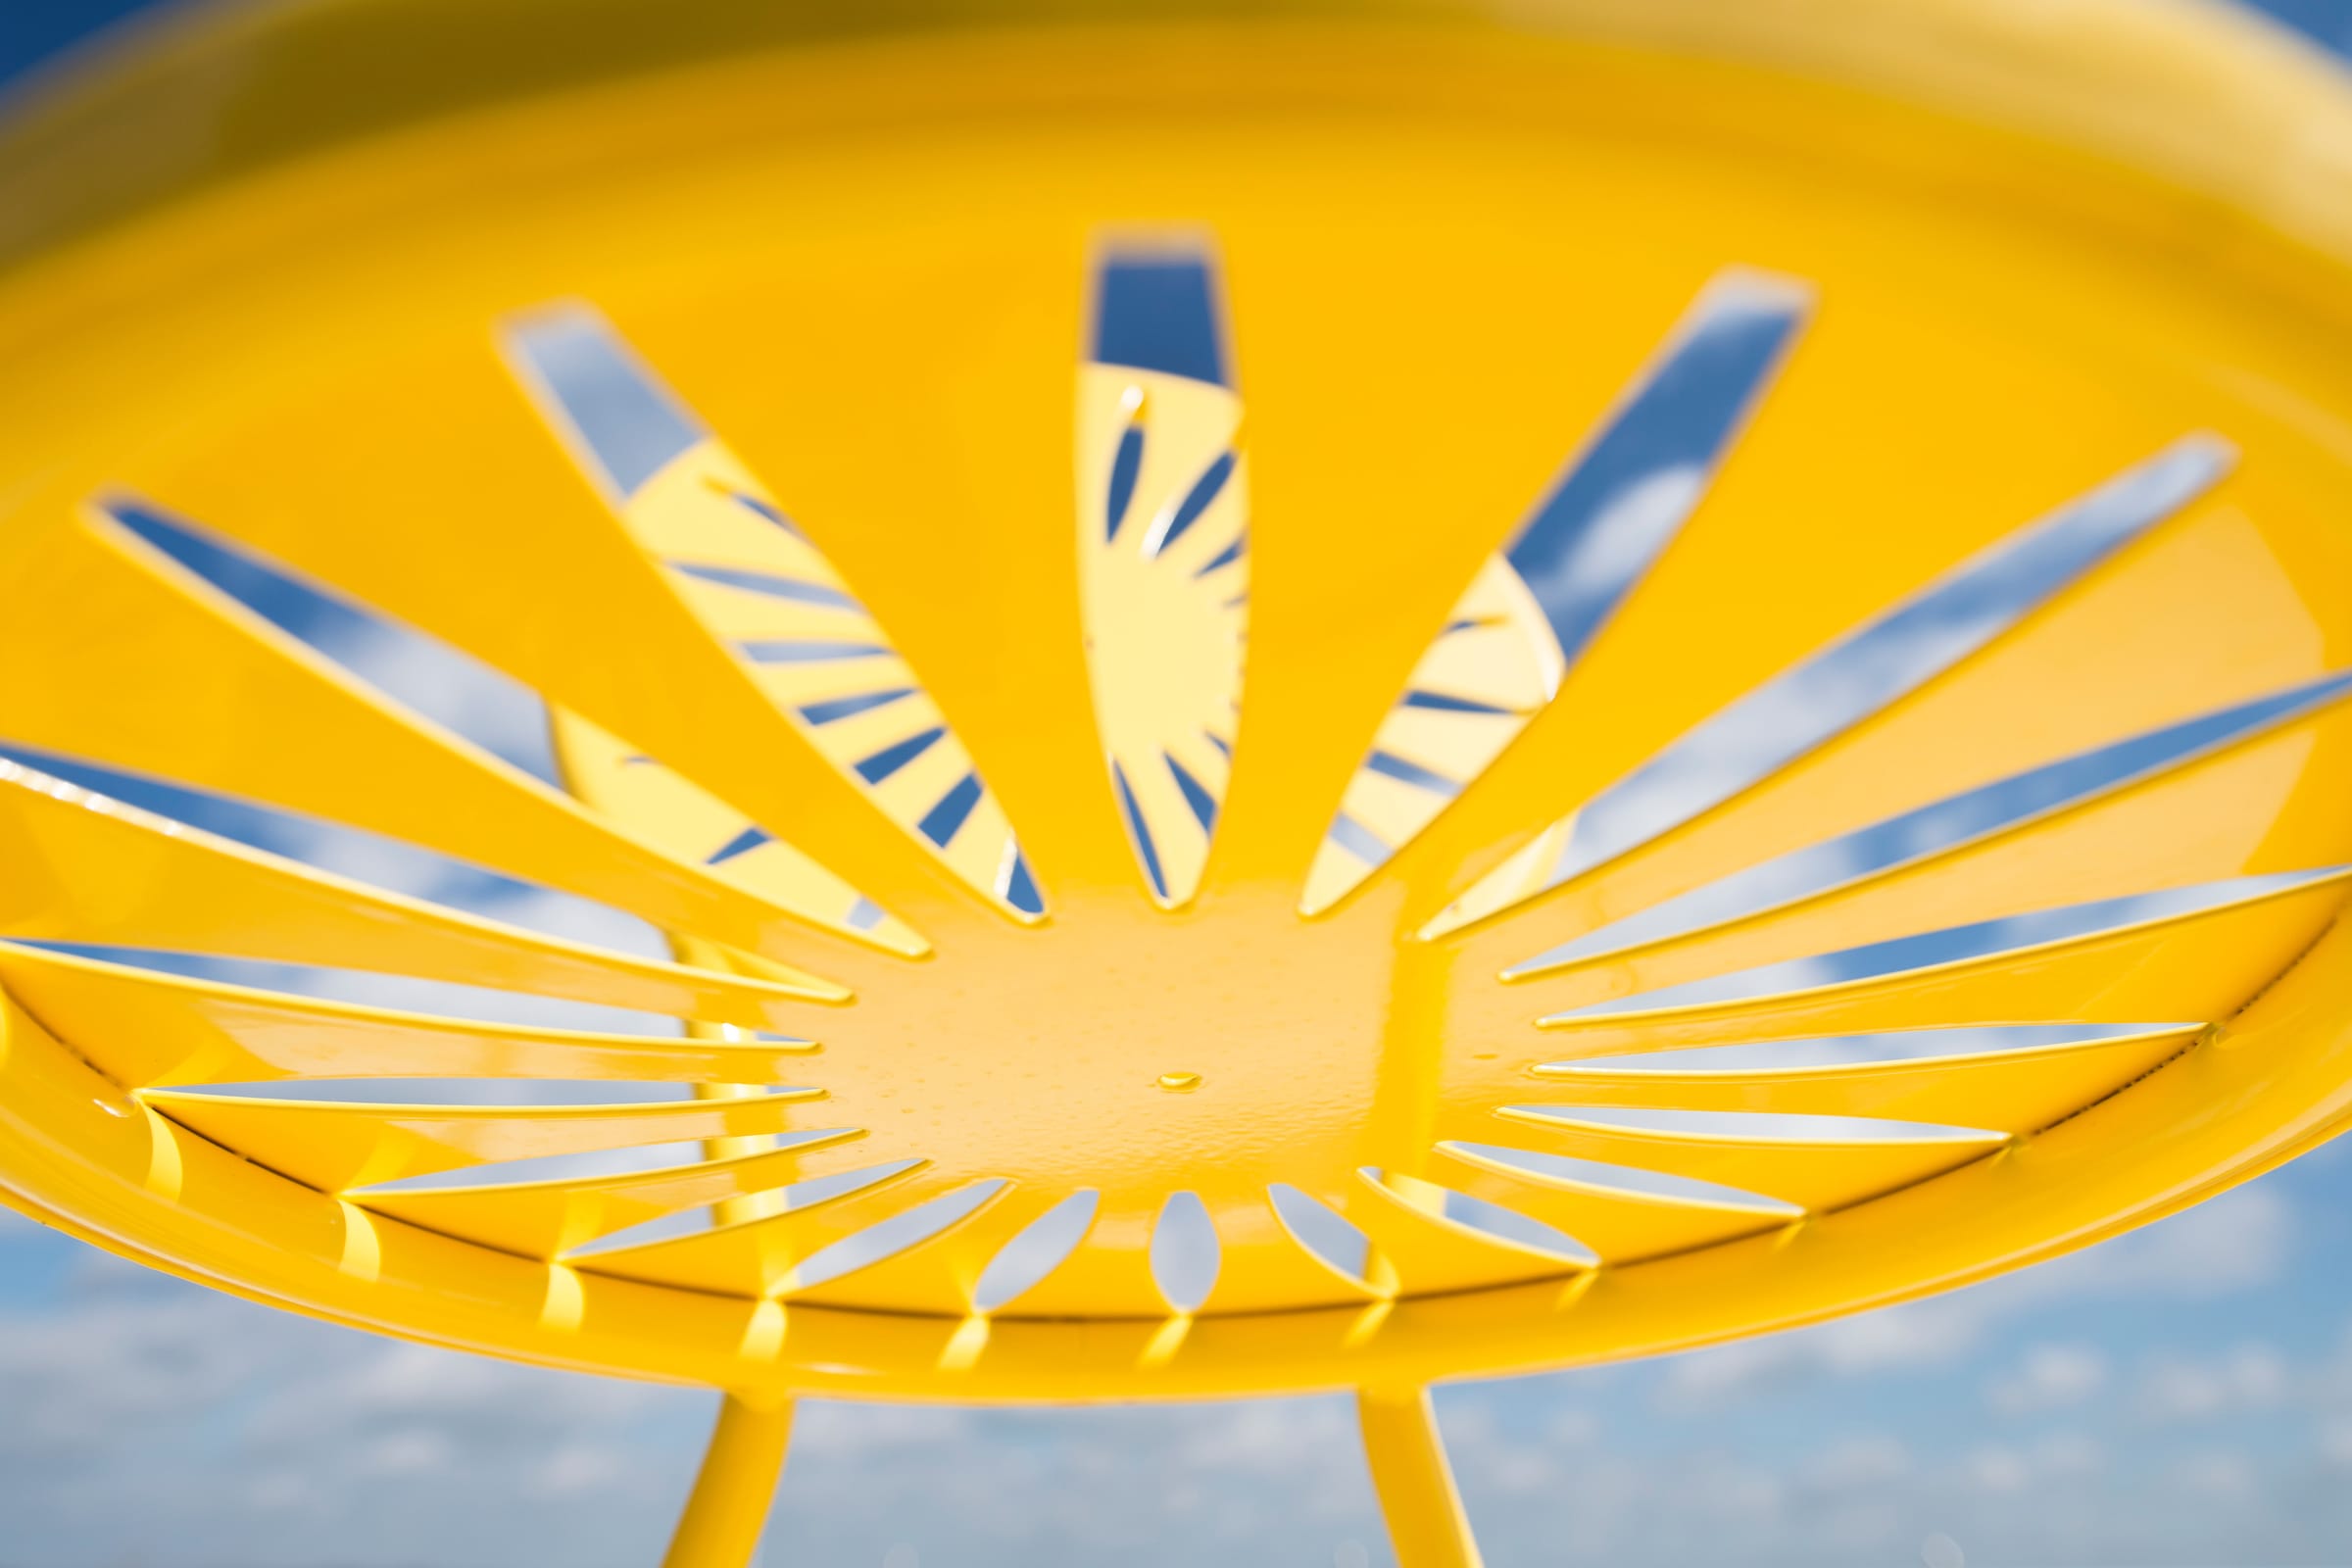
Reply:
x=2181, y=1396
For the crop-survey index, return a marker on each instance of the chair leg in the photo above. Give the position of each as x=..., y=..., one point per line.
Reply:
x=1426, y=1524
x=728, y=1506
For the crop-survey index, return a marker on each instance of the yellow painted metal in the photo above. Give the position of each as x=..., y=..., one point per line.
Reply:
x=704, y=516
x=727, y=1510
x=689, y=822
x=1497, y=660
x=2183, y=967
x=95, y=871
x=2012, y=1090
x=2166, y=826
x=1426, y=1526
x=1619, y=1224
x=946, y=1269
x=865, y=271
x=148, y=1030
x=1165, y=620
x=549, y=1217
x=334, y=1146
x=215, y=685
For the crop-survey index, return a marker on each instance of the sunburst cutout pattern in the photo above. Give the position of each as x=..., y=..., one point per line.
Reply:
x=764, y=590
x=1163, y=517
x=1850, y=681
x=1532, y=608
x=1944, y=965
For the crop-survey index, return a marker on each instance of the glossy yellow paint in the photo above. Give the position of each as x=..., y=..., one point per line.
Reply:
x=1426, y=1525
x=1445, y=247
x=2012, y=1090
x=334, y=1146
x=728, y=1506
x=686, y=820
x=1164, y=622
x=96, y=870
x=159, y=1031
x=551, y=1216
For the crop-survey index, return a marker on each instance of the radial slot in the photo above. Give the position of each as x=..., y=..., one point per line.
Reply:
x=2199, y=965
x=1185, y=1257
x=1618, y=1178
x=1034, y=1252
x=420, y=673
x=334, y=1147
x=547, y=1219
x=150, y=1030
x=1530, y=610
x=886, y=1240
x=660, y=807
x=1414, y=1251
x=1487, y=1220
x=671, y=811
x=1746, y=1126
x=806, y=1192
x=232, y=677
x=757, y=1258
x=595, y=1165
x=385, y=864
x=395, y=869
x=1824, y=1051
x=1956, y=821
x=1931, y=950
x=466, y=1093
x=1619, y=1223
x=105, y=866
x=2007, y=1091
x=1266, y=1264
x=950, y=1270
x=759, y=587
x=1813, y=1164
x=1108, y=1274
x=1163, y=516
x=1859, y=676
x=1329, y=1235
x=2206, y=824
x=435, y=1002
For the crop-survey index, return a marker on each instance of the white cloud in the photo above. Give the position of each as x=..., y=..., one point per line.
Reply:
x=580, y=1467
x=2246, y=1377
x=413, y=1451
x=2333, y=1440
x=1999, y=1468
x=2236, y=1243
x=2049, y=1377
x=2218, y=1473
x=1863, y=1462
x=214, y=1432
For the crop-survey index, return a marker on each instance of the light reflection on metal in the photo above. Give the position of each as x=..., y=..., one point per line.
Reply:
x=1185, y=1256
x=1529, y=614
x=1948, y=823
x=1316, y=1227
x=761, y=588
x=1850, y=681
x=1845, y=1051
x=1162, y=539
x=443, y=686
x=887, y=1238
x=1195, y=1074
x=1959, y=944
x=1621, y=1178
x=1036, y=1252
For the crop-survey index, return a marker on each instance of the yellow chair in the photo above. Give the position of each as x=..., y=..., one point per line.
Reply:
x=1309, y=697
